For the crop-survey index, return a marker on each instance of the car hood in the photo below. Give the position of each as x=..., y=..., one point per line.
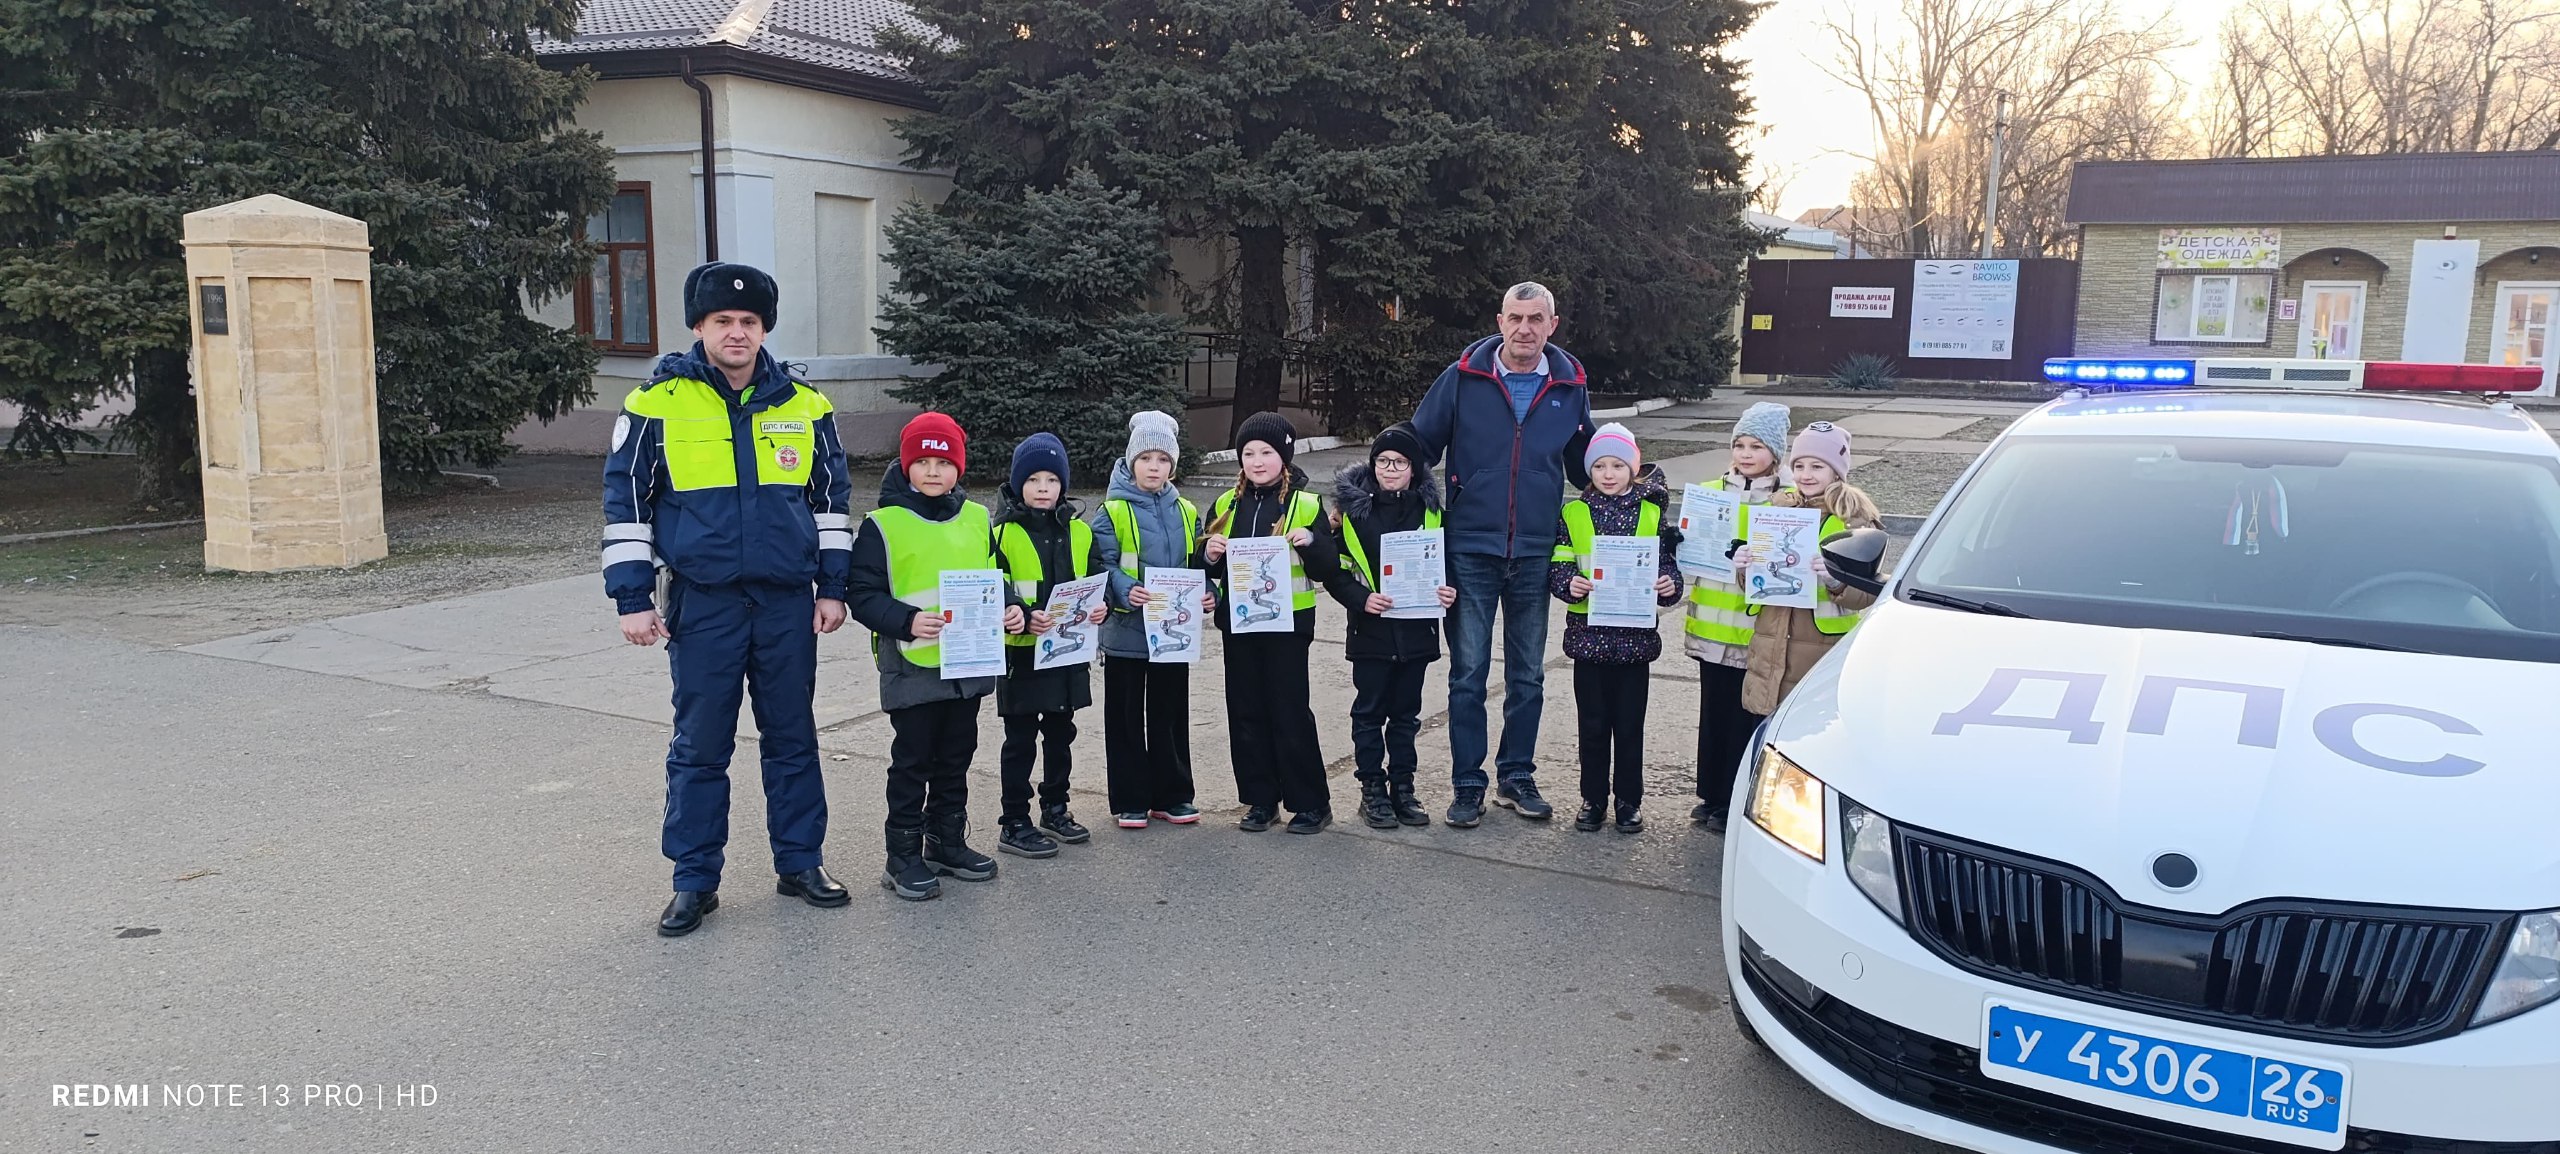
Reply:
x=2285, y=769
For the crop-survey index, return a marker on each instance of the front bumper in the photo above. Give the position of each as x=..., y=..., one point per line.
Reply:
x=1891, y=1032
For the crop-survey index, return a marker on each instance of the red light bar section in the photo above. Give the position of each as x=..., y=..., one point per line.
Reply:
x=2398, y=376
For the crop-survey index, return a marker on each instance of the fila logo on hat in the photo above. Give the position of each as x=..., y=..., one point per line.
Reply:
x=931, y=443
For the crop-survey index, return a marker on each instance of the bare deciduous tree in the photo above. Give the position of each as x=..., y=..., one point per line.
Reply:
x=2342, y=77
x=2085, y=82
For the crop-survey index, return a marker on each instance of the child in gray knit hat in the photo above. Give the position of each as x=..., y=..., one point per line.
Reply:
x=1719, y=627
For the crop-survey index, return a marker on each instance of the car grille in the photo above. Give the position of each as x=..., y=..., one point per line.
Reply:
x=2355, y=975
x=1946, y=1079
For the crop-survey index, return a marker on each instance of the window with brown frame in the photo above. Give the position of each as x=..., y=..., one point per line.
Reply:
x=616, y=307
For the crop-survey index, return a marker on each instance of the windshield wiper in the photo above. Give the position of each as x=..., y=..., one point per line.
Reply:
x=2342, y=642
x=1986, y=608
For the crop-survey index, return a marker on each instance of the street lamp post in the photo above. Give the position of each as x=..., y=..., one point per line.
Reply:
x=1991, y=180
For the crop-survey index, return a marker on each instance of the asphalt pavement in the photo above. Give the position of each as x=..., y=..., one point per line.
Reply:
x=235, y=884
x=387, y=882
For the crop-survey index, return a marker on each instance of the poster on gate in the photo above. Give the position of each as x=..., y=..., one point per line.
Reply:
x=1964, y=309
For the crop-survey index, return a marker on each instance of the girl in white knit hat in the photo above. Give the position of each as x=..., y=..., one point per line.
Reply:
x=1718, y=631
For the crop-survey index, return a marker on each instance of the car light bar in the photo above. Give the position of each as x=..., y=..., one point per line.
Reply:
x=2292, y=374
x=2118, y=371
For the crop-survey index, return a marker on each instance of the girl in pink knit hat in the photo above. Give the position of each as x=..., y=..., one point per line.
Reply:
x=1785, y=642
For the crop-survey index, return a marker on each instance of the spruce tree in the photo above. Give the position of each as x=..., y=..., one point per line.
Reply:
x=1035, y=309
x=430, y=122
x=1649, y=261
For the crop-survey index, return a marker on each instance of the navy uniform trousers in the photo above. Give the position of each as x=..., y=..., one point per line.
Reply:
x=756, y=639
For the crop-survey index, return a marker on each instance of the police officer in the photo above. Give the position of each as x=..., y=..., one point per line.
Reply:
x=728, y=475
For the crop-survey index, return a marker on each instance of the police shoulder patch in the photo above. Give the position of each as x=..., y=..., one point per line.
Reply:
x=621, y=431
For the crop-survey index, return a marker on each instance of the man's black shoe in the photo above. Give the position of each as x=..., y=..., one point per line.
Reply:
x=1468, y=807
x=1063, y=825
x=1022, y=839
x=812, y=885
x=1312, y=821
x=906, y=875
x=946, y=851
x=1630, y=820
x=1407, y=810
x=1374, y=808
x=684, y=914
x=1522, y=796
x=1588, y=820
x=1258, y=818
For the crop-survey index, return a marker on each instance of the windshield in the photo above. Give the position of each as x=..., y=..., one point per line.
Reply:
x=2367, y=545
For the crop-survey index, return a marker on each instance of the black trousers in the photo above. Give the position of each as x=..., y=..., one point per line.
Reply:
x=1610, y=700
x=1724, y=732
x=1146, y=733
x=1025, y=736
x=1386, y=713
x=1271, y=731
x=929, y=753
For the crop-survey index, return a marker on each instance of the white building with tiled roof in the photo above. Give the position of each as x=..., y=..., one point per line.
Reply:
x=792, y=103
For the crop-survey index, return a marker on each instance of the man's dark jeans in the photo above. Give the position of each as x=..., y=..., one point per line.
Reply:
x=1518, y=586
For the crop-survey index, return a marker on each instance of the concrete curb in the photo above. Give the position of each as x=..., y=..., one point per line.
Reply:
x=1638, y=409
x=57, y=534
x=1305, y=445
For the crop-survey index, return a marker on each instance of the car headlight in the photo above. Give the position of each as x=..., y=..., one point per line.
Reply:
x=1787, y=802
x=1866, y=847
x=2529, y=974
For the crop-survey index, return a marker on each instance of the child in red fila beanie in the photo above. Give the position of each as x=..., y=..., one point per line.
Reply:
x=925, y=526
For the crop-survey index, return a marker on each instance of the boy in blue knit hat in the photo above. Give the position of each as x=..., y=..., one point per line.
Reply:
x=1040, y=542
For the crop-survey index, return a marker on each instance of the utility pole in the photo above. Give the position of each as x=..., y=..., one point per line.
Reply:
x=1991, y=181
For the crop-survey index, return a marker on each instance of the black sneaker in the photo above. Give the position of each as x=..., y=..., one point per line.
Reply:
x=1063, y=825
x=1407, y=810
x=1699, y=813
x=1374, y=807
x=1587, y=820
x=1312, y=821
x=1629, y=819
x=1258, y=818
x=1179, y=813
x=1468, y=808
x=1023, y=839
x=1522, y=796
x=1712, y=820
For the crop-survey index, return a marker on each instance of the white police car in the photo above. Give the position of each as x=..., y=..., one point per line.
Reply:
x=2195, y=786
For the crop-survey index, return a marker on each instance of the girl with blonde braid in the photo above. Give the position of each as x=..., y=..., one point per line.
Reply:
x=1271, y=728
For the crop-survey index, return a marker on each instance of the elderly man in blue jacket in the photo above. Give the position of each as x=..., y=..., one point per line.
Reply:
x=1511, y=416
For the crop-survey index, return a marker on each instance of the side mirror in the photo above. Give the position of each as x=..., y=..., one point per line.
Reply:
x=1854, y=556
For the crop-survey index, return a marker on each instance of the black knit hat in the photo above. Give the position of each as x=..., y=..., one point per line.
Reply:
x=1271, y=429
x=713, y=288
x=1397, y=438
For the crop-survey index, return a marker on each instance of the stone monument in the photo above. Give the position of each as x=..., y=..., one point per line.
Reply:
x=281, y=295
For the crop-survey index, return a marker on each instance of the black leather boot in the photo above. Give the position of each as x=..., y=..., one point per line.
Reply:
x=906, y=875
x=812, y=885
x=1400, y=798
x=946, y=851
x=684, y=914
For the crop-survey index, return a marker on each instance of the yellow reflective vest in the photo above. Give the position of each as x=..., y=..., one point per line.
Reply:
x=1022, y=564
x=1576, y=547
x=920, y=551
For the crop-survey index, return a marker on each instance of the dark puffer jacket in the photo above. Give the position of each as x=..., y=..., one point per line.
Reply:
x=1026, y=690
x=1616, y=517
x=1360, y=506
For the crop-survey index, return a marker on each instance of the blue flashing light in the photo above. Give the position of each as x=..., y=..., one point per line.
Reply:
x=2119, y=372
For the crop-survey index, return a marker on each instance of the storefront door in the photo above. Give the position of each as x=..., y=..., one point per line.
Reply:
x=2521, y=331
x=2332, y=321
